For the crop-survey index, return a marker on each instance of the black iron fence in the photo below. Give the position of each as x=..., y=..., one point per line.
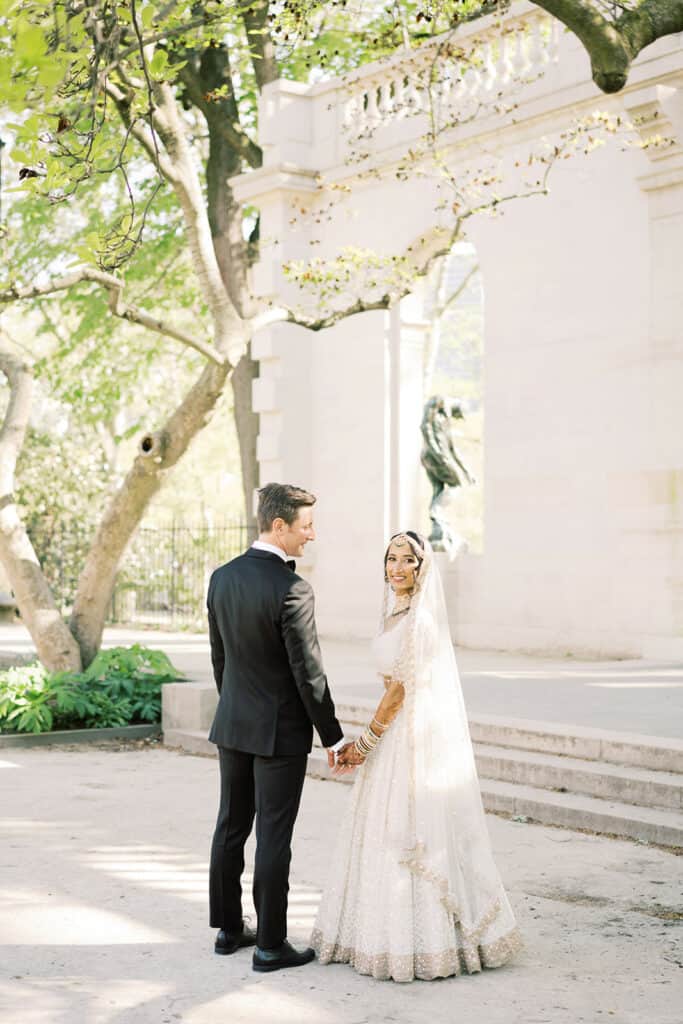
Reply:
x=164, y=574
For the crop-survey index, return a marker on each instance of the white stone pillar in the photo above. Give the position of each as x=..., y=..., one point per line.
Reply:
x=655, y=529
x=409, y=413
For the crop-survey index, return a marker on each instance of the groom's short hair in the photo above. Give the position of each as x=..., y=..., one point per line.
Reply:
x=281, y=501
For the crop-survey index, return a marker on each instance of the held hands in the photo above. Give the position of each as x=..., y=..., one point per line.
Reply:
x=353, y=754
x=347, y=759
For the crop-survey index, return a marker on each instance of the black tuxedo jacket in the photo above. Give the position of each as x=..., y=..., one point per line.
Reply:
x=266, y=659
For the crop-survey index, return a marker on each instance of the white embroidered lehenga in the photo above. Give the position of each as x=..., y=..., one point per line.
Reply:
x=414, y=891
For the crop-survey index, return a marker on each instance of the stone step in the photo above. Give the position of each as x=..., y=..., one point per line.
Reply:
x=568, y=810
x=194, y=741
x=623, y=783
x=191, y=706
x=573, y=810
x=656, y=753
x=626, y=785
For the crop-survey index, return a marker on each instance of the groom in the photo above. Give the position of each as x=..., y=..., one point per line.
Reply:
x=273, y=690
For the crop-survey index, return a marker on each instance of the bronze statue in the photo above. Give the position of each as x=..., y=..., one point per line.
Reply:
x=443, y=464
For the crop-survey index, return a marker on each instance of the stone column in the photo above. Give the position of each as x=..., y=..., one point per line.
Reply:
x=656, y=532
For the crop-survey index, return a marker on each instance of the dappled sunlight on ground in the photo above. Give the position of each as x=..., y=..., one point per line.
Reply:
x=75, y=999
x=35, y=918
x=168, y=870
x=155, y=867
x=253, y=1001
x=104, y=912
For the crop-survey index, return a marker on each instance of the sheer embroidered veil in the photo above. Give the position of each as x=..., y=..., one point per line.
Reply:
x=449, y=844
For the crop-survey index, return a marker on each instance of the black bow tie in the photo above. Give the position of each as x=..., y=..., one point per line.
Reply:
x=291, y=564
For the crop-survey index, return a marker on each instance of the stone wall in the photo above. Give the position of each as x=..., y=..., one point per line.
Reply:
x=583, y=479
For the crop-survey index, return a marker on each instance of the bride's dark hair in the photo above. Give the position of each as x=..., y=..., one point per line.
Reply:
x=413, y=536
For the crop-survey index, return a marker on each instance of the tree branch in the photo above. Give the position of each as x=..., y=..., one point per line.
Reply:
x=423, y=257
x=613, y=45
x=179, y=166
x=117, y=306
x=221, y=114
x=164, y=35
x=386, y=301
x=652, y=19
x=140, y=132
x=263, y=59
x=457, y=292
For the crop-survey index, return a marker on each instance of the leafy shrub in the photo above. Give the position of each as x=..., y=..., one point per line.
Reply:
x=122, y=686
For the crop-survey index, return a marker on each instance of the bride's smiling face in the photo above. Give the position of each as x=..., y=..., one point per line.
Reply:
x=401, y=567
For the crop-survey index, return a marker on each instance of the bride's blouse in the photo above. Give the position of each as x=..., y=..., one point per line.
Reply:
x=385, y=647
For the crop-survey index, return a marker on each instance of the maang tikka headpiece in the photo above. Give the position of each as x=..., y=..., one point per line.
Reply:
x=400, y=541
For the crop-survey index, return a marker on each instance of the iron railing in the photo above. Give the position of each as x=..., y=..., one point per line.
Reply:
x=163, y=576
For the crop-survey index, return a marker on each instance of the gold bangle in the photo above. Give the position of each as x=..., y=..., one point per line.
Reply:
x=366, y=742
x=359, y=751
x=382, y=725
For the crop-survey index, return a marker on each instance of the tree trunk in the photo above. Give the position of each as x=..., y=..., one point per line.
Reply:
x=159, y=451
x=247, y=423
x=232, y=250
x=55, y=645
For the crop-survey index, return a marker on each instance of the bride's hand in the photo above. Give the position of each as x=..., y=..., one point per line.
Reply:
x=347, y=759
x=387, y=682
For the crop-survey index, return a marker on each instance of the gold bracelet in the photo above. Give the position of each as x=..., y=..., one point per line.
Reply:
x=367, y=742
x=358, y=750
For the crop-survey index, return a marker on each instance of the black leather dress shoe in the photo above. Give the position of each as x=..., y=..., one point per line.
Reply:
x=229, y=942
x=280, y=958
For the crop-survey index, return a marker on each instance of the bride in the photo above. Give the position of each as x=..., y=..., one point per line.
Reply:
x=414, y=891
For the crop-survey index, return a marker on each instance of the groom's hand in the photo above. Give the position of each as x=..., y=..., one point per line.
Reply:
x=347, y=759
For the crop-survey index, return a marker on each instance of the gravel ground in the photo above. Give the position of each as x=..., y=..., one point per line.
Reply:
x=103, y=917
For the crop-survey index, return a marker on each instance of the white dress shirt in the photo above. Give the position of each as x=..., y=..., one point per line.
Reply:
x=261, y=545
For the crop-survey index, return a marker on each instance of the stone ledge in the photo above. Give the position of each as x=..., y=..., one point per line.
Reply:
x=193, y=741
x=188, y=706
x=65, y=736
x=566, y=810
x=657, y=753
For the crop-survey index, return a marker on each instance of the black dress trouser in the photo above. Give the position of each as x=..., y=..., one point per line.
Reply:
x=269, y=788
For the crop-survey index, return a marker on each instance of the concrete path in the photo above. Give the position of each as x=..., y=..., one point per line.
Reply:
x=626, y=696
x=103, y=919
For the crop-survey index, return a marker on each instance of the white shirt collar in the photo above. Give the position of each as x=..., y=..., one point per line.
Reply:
x=261, y=545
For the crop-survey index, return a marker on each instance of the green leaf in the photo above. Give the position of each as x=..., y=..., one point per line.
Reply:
x=30, y=43
x=51, y=73
x=158, y=63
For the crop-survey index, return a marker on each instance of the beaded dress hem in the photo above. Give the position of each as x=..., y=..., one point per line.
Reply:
x=422, y=967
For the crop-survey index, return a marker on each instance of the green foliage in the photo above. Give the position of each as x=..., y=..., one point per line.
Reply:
x=62, y=481
x=316, y=38
x=122, y=686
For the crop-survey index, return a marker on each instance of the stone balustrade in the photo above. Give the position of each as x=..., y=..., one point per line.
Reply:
x=446, y=78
